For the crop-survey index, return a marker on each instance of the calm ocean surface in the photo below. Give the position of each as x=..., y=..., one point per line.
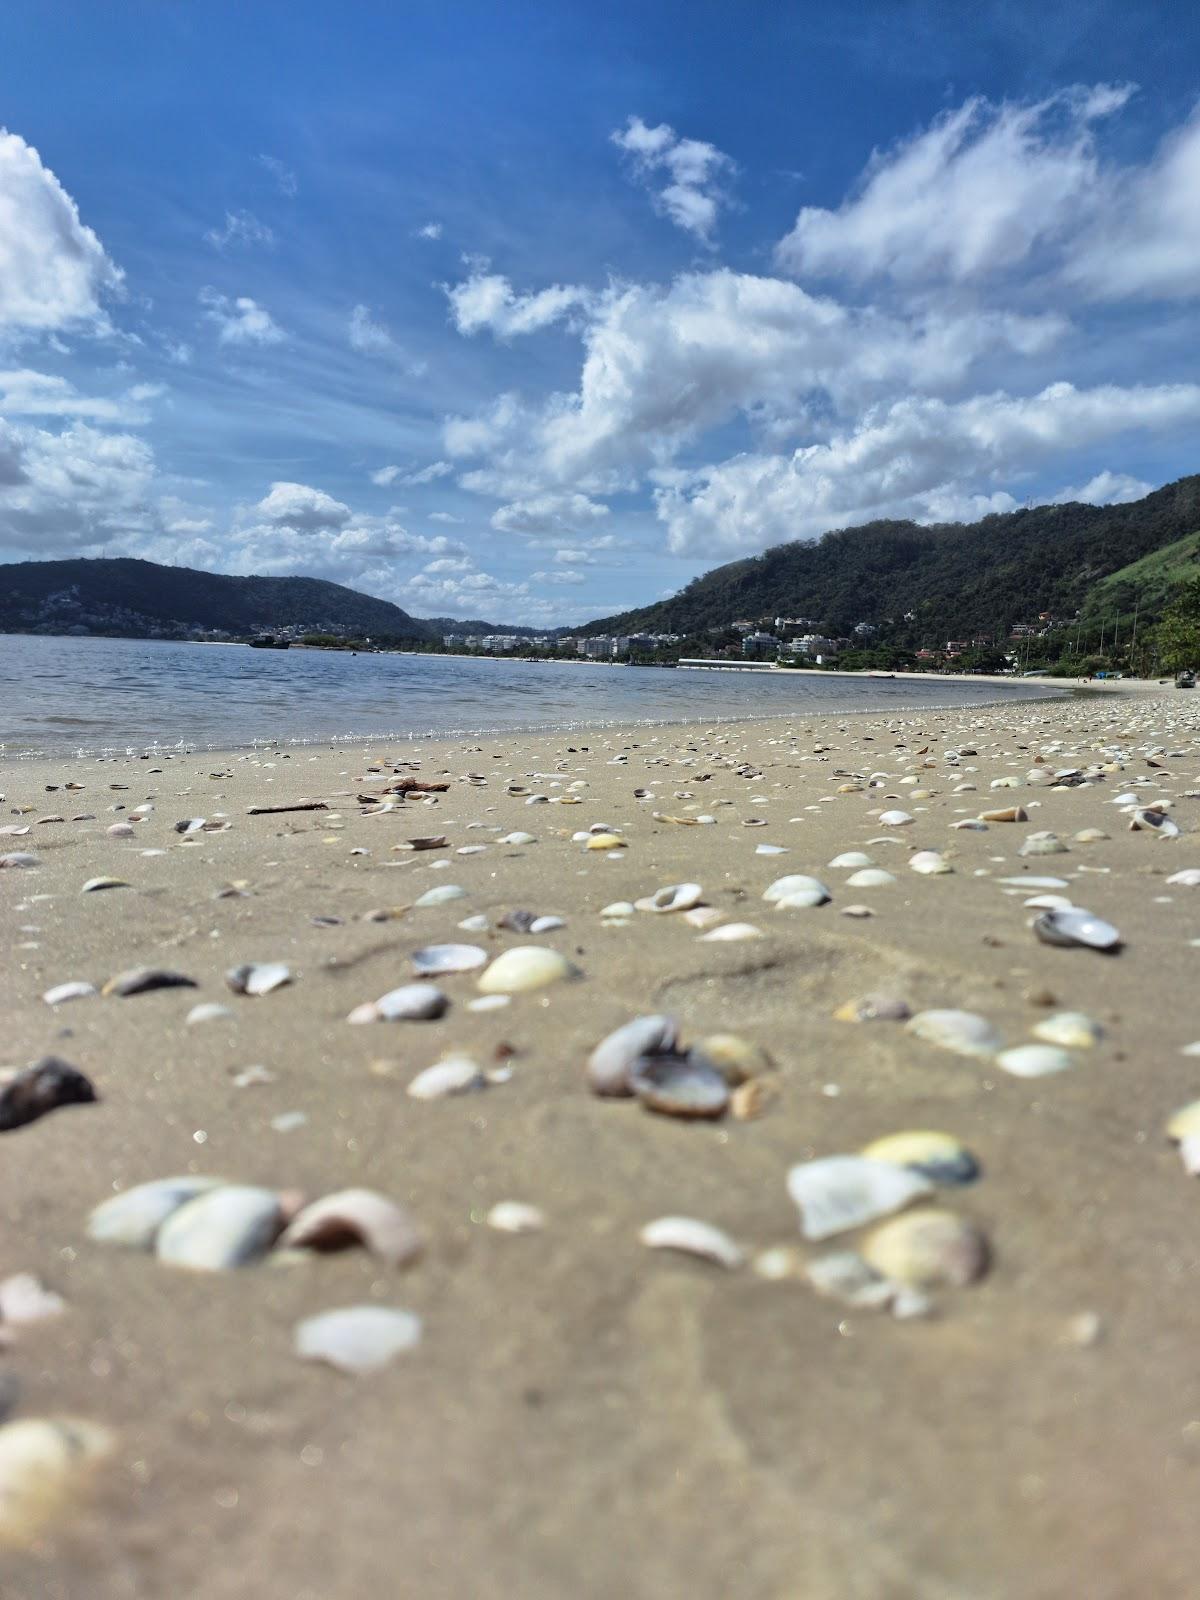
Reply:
x=110, y=695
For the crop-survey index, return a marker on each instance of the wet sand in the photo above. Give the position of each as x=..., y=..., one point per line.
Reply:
x=585, y=1417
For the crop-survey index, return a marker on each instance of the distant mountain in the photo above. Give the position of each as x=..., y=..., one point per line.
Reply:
x=474, y=628
x=957, y=579
x=141, y=598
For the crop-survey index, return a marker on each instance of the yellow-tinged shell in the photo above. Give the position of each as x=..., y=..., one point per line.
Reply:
x=737, y=1060
x=43, y=1462
x=938, y=1156
x=1185, y=1124
x=928, y=1249
x=526, y=966
x=605, y=841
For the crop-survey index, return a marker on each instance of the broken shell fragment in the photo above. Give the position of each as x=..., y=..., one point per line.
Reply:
x=357, y=1339
x=929, y=1249
x=693, y=1238
x=1076, y=927
x=62, y=992
x=134, y=1217
x=609, y=1064
x=1007, y=814
x=258, y=977
x=355, y=1216
x=227, y=1227
x=678, y=1086
x=528, y=966
x=1042, y=844
x=1074, y=1029
x=940, y=1157
x=963, y=1032
x=454, y=1075
x=44, y=1087
x=141, y=980
x=675, y=897
x=1153, y=821
x=737, y=1060
x=874, y=1008
x=842, y=1192
x=844, y=1276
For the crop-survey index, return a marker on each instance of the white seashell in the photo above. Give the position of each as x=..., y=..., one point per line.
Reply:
x=63, y=992
x=842, y=1192
x=1047, y=902
x=489, y=1002
x=355, y=1216
x=134, y=1217
x=528, y=966
x=973, y=824
x=870, y=878
x=517, y=838
x=1076, y=927
x=1189, y=878
x=619, y=908
x=1071, y=1028
x=692, y=1238
x=121, y=830
x=731, y=932
x=894, y=819
x=227, y=1227
x=20, y=858
x=927, y=1250
x=610, y=1062
x=1034, y=1060
x=357, y=1339
x=1153, y=821
x=675, y=897
x=547, y=924
x=258, y=977
x=412, y=1002
x=857, y=911
x=1031, y=882
x=1042, y=844
x=845, y=1277
x=44, y=1462
x=206, y=1011
x=433, y=960
x=797, y=889
x=778, y=1262
x=930, y=863
x=94, y=885
x=702, y=916
x=771, y=850
x=513, y=1216
x=454, y=1075
x=476, y=924
x=963, y=1032
x=850, y=859
x=441, y=895
x=24, y=1299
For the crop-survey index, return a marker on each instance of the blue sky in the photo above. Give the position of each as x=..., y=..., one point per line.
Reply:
x=533, y=312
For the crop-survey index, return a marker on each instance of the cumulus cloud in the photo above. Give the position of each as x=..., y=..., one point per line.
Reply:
x=240, y=228
x=54, y=272
x=385, y=477
x=919, y=458
x=1105, y=489
x=285, y=178
x=430, y=230
x=487, y=300
x=549, y=514
x=76, y=490
x=240, y=321
x=301, y=507
x=683, y=175
x=569, y=576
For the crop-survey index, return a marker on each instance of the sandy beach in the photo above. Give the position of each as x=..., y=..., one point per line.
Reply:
x=584, y=1416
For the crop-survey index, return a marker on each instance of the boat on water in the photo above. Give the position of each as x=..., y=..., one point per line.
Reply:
x=268, y=641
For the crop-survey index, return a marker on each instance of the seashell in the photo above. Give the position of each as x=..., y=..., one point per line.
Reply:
x=258, y=977
x=528, y=966
x=513, y=1216
x=874, y=1008
x=357, y=1339
x=701, y=916
x=1042, y=844
x=609, y=1064
x=693, y=1238
x=619, y=908
x=1076, y=927
x=894, y=819
x=134, y=1217
x=1008, y=814
x=963, y=1032
x=679, y=1086
x=44, y=1463
x=850, y=859
x=930, y=863
x=751, y=1099
x=412, y=1002
x=475, y=924
x=206, y=1011
x=735, y=1059
x=1034, y=1060
x=796, y=890
x=1074, y=1029
x=1009, y=782
x=489, y=1002
x=355, y=1216
x=42, y=1088
x=928, y=1250
x=731, y=932
x=433, y=841
x=778, y=1262
x=1047, y=902
x=837, y=1193
x=141, y=980
x=435, y=960
x=94, y=885
x=454, y=1075
x=940, y=1157
x=869, y=878
x=675, y=897
x=517, y=838
x=971, y=823
x=547, y=924
x=62, y=992
x=226, y=1227
x=441, y=895
x=605, y=841
x=1184, y=1130
x=20, y=858
x=857, y=911
x=190, y=825
x=121, y=830
x=1090, y=836
x=23, y=1299
x=844, y=1276
x=1189, y=878
x=1154, y=822
x=1032, y=882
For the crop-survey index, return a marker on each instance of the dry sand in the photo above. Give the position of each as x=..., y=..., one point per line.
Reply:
x=586, y=1418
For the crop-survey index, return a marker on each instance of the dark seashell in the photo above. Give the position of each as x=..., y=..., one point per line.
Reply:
x=679, y=1086
x=44, y=1087
x=140, y=980
x=518, y=921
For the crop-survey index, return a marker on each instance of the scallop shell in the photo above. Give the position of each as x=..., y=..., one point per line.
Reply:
x=693, y=1238
x=678, y=1086
x=355, y=1216
x=842, y=1192
x=1074, y=1029
x=850, y=860
x=929, y=1249
x=227, y=1227
x=963, y=1032
x=610, y=1062
x=528, y=966
x=454, y=1075
x=1034, y=1060
x=44, y=1462
x=675, y=897
x=357, y=1339
x=869, y=878
x=929, y=863
x=435, y=960
x=133, y=1217
x=894, y=819
x=940, y=1157
x=1076, y=927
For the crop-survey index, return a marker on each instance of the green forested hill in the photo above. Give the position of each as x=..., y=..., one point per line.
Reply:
x=128, y=596
x=959, y=579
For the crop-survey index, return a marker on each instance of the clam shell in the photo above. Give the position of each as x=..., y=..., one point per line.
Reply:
x=693, y=1238
x=227, y=1227
x=1184, y=1130
x=675, y=897
x=435, y=960
x=19, y=858
x=1153, y=821
x=1042, y=844
x=412, y=1002
x=141, y=980
x=894, y=819
x=134, y=1217
x=355, y=1216
x=842, y=1192
x=42, y=1088
x=940, y=1157
x=850, y=860
x=736, y=1059
x=62, y=992
x=797, y=890
x=619, y=908
x=441, y=895
x=605, y=841
x=258, y=977
x=963, y=1032
x=1034, y=1060
x=869, y=878
x=357, y=1339
x=44, y=1462
x=874, y=1008
x=731, y=933
x=610, y=1062
x=928, y=1250
x=514, y=1216
x=517, y=838
x=454, y=1075
x=529, y=966
x=678, y=1086
x=1074, y=1029
x=930, y=863
x=206, y=1011
x=1076, y=927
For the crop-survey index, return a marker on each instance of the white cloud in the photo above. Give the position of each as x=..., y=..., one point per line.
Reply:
x=431, y=230
x=920, y=458
x=77, y=490
x=681, y=174
x=444, y=516
x=567, y=577
x=450, y=564
x=284, y=177
x=369, y=336
x=303, y=508
x=240, y=321
x=386, y=476
x=54, y=272
x=25, y=393
x=576, y=557
x=241, y=228
x=549, y=514
x=487, y=300
x=1105, y=489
